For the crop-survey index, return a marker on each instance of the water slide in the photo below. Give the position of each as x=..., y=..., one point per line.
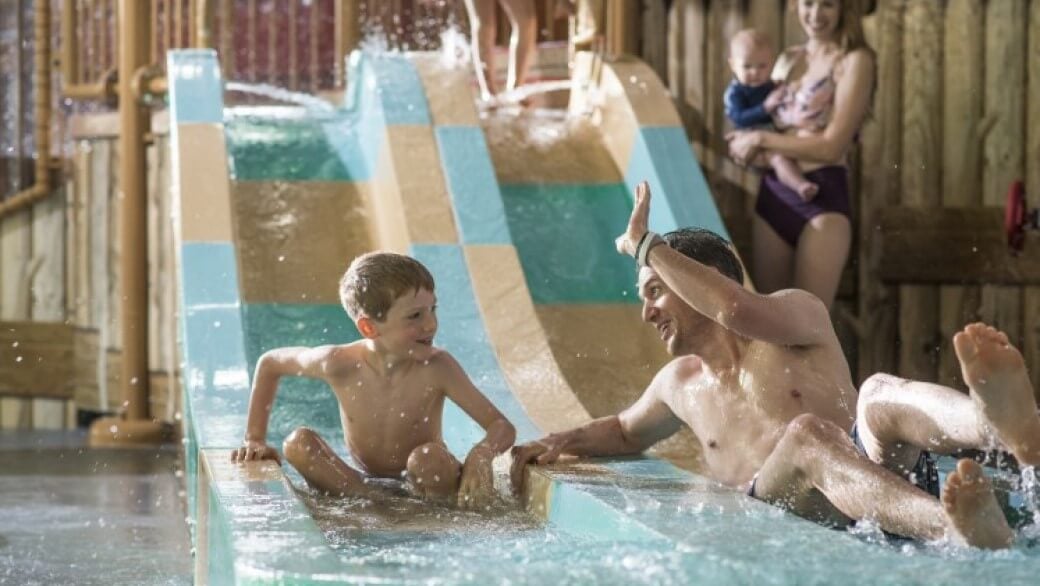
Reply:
x=515, y=217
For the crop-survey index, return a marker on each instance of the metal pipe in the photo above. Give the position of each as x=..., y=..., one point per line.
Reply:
x=19, y=117
x=134, y=24
x=69, y=43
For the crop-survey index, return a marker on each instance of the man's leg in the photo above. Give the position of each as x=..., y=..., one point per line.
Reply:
x=817, y=473
x=321, y=467
x=897, y=418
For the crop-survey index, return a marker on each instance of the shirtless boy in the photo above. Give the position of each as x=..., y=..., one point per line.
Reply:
x=763, y=384
x=391, y=386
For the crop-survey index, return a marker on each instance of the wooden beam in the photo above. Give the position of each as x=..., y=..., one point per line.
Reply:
x=962, y=246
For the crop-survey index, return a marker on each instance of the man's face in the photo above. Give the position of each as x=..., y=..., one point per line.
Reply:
x=410, y=325
x=676, y=322
x=751, y=65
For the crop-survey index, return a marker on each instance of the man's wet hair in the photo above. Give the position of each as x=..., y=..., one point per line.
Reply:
x=707, y=248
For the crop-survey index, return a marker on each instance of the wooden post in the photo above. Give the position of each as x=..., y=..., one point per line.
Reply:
x=693, y=56
x=348, y=35
x=1004, y=147
x=921, y=177
x=881, y=156
x=724, y=20
x=794, y=34
x=1031, y=301
x=962, y=158
x=294, y=50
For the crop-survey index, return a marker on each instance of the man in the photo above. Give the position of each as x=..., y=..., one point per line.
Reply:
x=763, y=384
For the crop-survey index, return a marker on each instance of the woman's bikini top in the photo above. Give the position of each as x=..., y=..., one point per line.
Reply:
x=808, y=102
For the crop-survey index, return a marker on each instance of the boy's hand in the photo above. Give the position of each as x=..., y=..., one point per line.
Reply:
x=477, y=485
x=637, y=223
x=775, y=98
x=544, y=451
x=255, y=450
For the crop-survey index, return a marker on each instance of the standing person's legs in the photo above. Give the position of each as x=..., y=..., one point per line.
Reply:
x=897, y=418
x=817, y=473
x=482, y=30
x=522, y=39
x=772, y=264
x=823, y=248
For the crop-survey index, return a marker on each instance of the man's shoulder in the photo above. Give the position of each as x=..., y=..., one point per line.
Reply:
x=682, y=368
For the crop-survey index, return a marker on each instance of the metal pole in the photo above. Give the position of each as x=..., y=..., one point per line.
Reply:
x=133, y=119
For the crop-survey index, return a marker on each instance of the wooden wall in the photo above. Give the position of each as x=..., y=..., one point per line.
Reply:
x=952, y=126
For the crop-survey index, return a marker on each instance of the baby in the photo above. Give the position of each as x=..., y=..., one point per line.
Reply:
x=752, y=98
x=391, y=386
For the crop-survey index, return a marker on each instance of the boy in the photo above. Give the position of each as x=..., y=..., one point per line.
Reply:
x=752, y=97
x=390, y=386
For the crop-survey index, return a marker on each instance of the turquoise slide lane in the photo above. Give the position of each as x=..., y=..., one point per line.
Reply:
x=643, y=520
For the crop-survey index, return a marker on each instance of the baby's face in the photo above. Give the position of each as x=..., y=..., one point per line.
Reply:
x=752, y=65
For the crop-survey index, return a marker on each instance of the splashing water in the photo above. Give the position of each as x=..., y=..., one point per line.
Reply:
x=311, y=104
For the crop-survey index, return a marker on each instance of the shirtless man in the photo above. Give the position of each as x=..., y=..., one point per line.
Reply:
x=762, y=382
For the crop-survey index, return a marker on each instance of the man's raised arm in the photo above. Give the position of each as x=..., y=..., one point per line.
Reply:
x=791, y=317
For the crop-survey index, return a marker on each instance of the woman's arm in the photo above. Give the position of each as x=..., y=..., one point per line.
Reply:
x=851, y=103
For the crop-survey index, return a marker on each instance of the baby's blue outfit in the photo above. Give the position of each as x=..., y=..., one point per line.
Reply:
x=745, y=104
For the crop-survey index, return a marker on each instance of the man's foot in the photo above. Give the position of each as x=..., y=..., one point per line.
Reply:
x=996, y=374
x=973, y=510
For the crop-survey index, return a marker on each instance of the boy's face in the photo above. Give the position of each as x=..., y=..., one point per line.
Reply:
x=751, y=65
x=410, y=325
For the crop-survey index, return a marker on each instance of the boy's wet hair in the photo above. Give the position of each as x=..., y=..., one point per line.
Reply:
x=707, y=248
x=375, y=280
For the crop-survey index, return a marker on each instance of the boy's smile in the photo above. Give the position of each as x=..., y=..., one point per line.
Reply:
x=410, y=325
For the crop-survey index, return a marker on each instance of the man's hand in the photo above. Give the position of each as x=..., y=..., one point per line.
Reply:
x=544, y=451
x=255, y=450
x=477, y=485
x=637, y=223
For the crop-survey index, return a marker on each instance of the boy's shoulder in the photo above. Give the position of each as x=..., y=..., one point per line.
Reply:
x=338, y=356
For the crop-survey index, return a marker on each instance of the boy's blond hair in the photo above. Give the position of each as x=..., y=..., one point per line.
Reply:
x=749, y=39
x=376, y=279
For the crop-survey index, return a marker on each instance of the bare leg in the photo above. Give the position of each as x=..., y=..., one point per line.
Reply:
x=773, y=258
x=1000, y=388
x=790, y=174
x=897, y=418
x=482, y=28
x=433, y=471
x=320, y=466
x=816, y=472
x=820, y=256
x=522, y=40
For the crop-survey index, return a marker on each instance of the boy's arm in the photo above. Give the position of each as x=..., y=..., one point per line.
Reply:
x=742, y=113
x=499, y=432
x=791, y=317
x=272, y=366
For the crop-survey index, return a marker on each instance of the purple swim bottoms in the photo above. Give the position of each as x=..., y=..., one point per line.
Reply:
x=783, y=209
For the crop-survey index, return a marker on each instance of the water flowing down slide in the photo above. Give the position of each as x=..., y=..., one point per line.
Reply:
x=515, y=215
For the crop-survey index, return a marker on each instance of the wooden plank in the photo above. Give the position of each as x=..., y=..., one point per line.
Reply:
x=15, y=413
x=964, y=44
x=36, y=360
x=767, y=17
x=794, y=34
x=725, y=19
x=921, y=178
x=48, y=414
x=167, y=282
x=654, y=43
x=100, y=194
x=15, y=257
x=1004, y=147
x=694, y=67
x=1031, y=296
x=880, y=158
x=85, y=368
x=48, y=245
x=952, y=245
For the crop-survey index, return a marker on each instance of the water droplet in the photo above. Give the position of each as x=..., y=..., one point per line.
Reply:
x=281, y=257
x=113, y=429
x=216, y=324
x=402, y=414
x=426, y=450
x=14, y=344
x=18, y=359
x=436, y=478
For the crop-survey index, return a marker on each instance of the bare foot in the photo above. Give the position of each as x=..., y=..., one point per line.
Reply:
x=996, y=374
x=973, y=510
x=807, y=189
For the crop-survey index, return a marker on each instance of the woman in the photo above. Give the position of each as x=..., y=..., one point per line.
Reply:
x=521, y=42
x=798, y=242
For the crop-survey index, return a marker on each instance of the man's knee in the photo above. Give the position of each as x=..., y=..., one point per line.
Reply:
x=299, y=443
x=807, y=429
